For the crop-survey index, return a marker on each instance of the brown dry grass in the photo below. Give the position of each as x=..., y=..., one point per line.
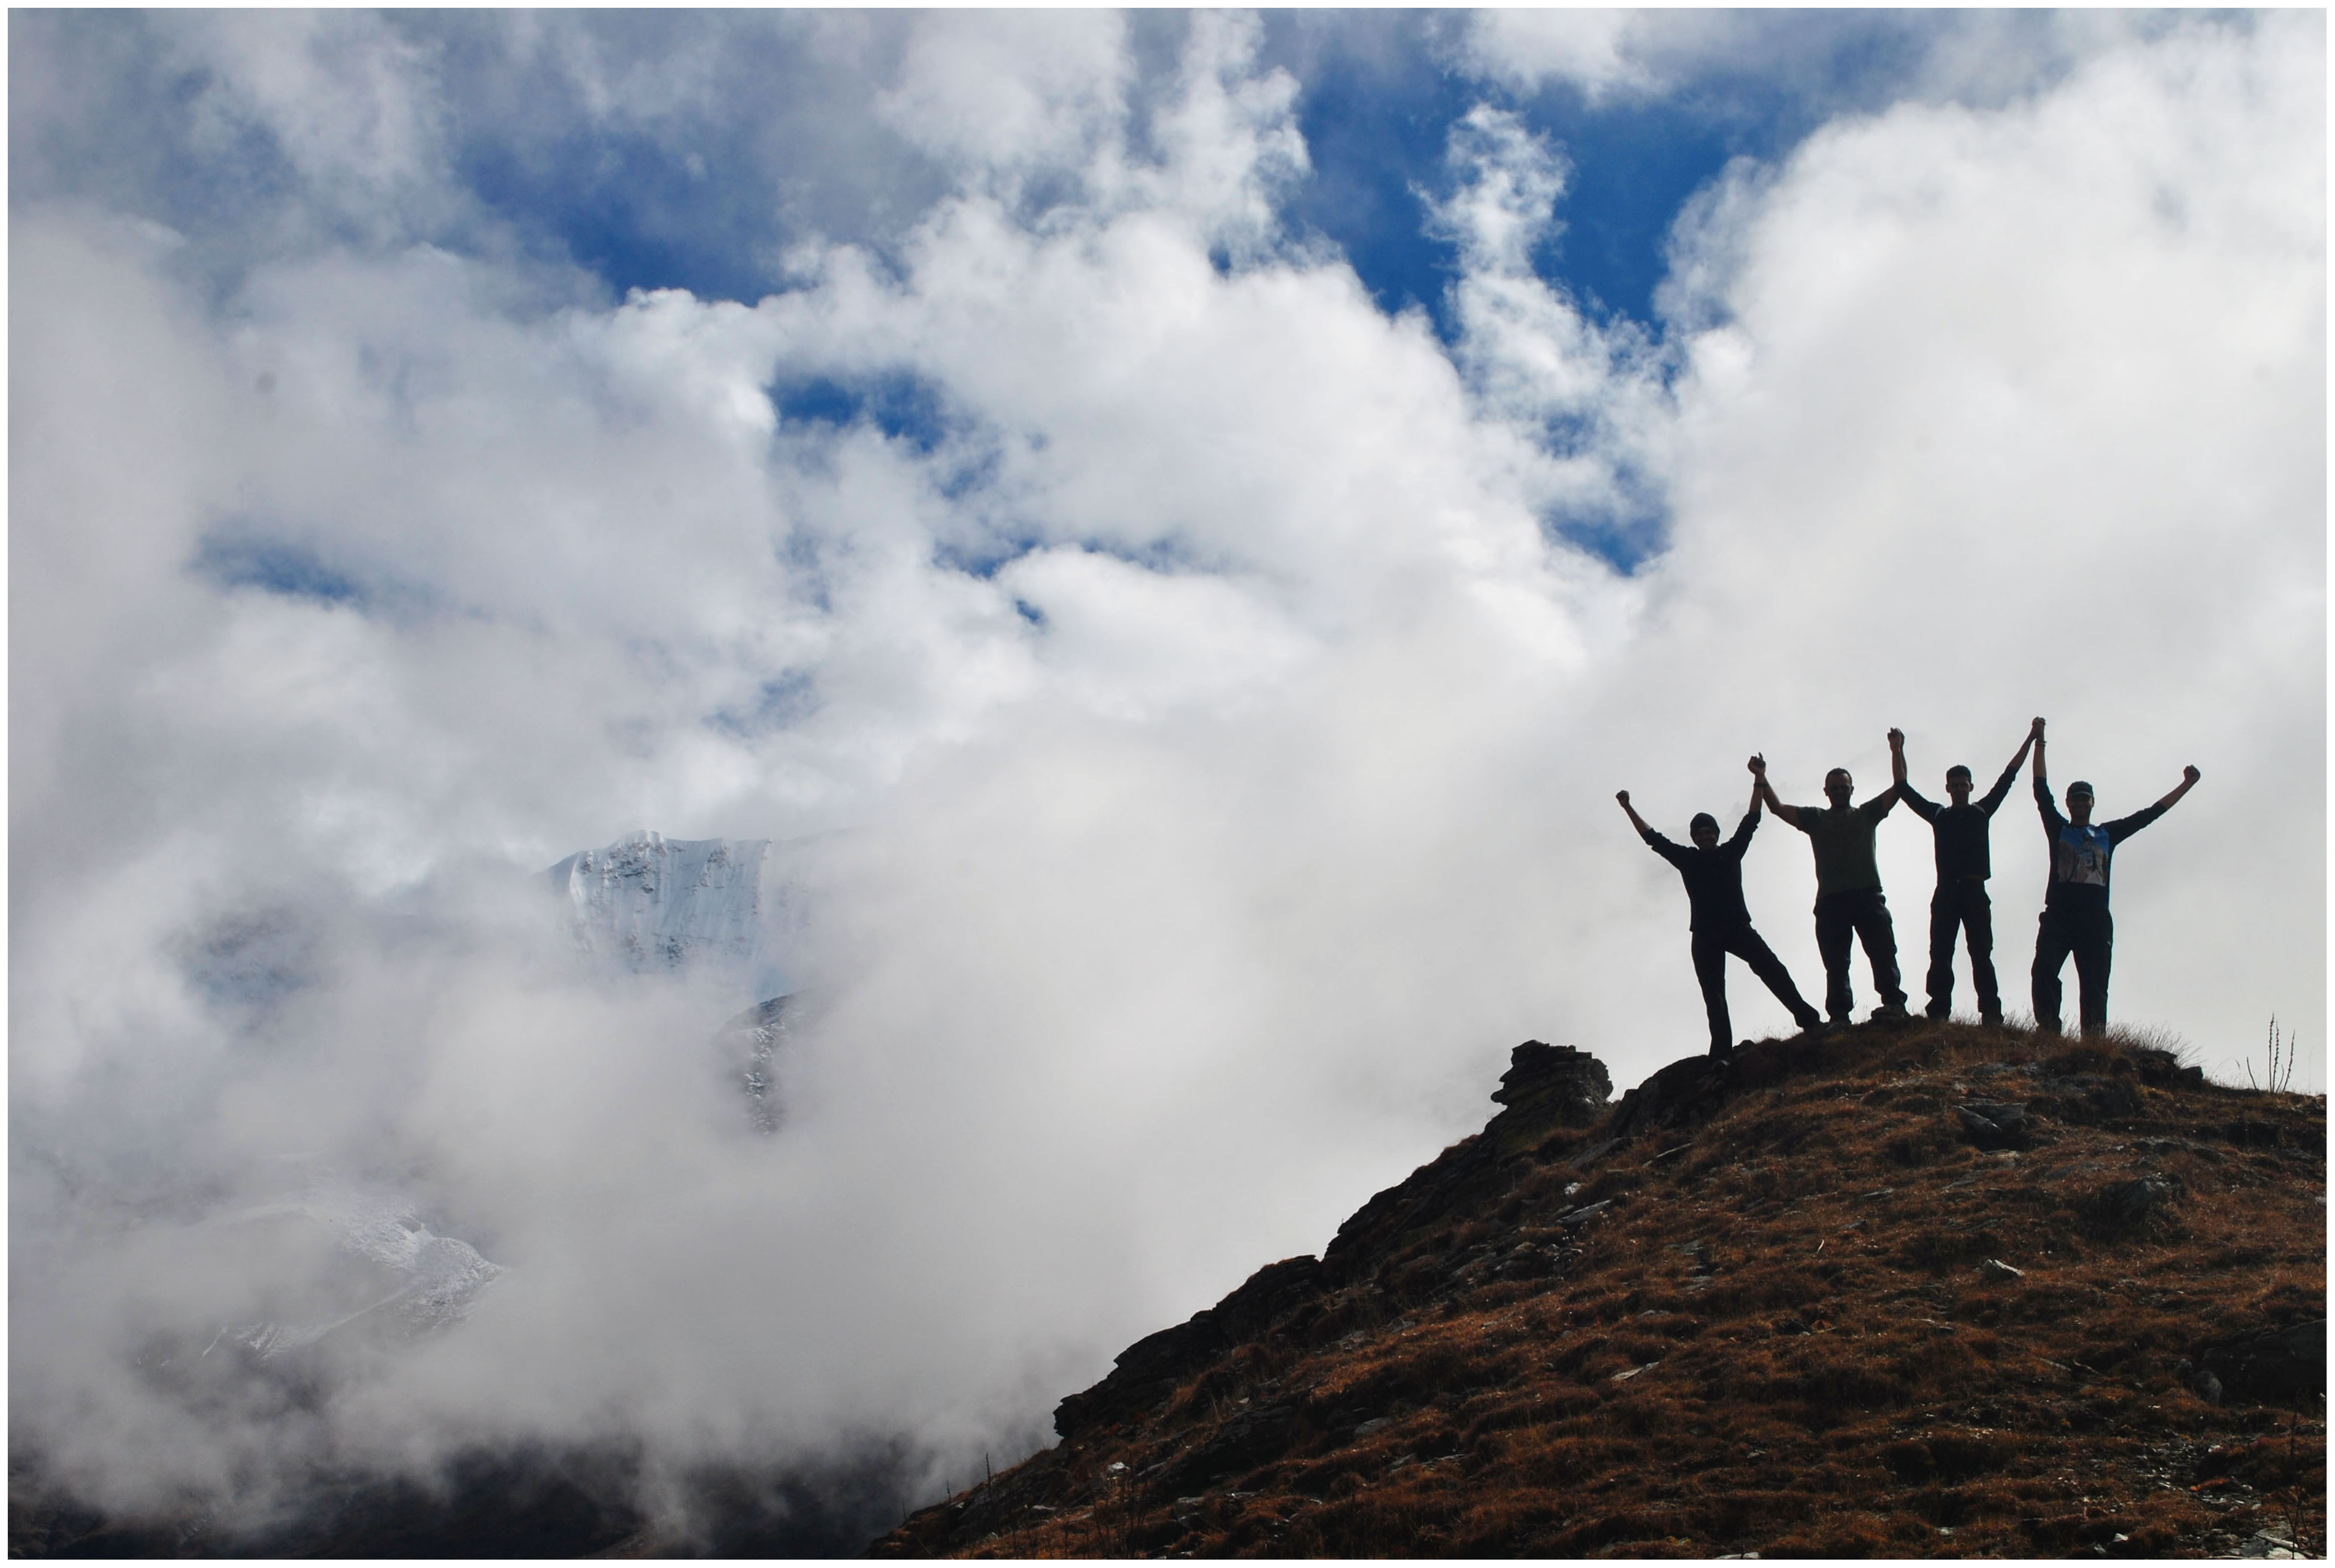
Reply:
x=1776, y=1341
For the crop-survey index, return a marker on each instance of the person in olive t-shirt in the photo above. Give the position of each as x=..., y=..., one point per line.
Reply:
x=1849, y=883
x=1719, y=919
x=1961, y=905
x=2075, y=918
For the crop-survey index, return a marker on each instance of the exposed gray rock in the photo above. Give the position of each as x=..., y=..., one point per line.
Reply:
x=1994, y=1124
x=1996, y=1268
x=2263, y=1543
x=2129, y=1205
x=2282, y=1366
x=1566, y=1085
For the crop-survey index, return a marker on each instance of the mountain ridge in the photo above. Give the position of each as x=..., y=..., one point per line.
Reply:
x=1932, y=1289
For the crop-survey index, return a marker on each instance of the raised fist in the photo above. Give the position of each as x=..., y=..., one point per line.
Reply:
x=2190, y=775
x=2036, y=729
x=1623, y=796
x=1896, y=739
x=1758, y=764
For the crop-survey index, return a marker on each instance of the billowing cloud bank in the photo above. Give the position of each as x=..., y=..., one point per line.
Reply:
x=1224, y=731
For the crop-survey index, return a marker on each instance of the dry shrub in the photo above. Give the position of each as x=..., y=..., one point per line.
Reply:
x=2086, y=1057
x=1649, y=1414
x=1939, y=1248
x=1762, y=1286
x=1853, y=1535
x=1564, y=1460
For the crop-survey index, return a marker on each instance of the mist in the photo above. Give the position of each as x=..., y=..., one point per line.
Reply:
x=1200, y=692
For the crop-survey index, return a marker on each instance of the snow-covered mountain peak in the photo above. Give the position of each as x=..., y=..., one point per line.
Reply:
x=647, y=903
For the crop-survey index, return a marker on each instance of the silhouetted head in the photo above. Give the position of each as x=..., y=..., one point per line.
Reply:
x=2079, y=803
x=1839, y=787
x=1703, y=830
x=1958, y=784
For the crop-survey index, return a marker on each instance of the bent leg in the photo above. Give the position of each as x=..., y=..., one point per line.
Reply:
x=2050, y=955
x=1710, y=968
x=1752, y=949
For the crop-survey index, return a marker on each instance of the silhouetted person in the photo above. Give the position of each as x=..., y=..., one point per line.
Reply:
x=1961, y=905
x=1721, y=923
x=1849, y=882
x=2075, y=918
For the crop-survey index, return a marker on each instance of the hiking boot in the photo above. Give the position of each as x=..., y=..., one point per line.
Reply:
x=1813, y=1023
x=1991, y=1020
x=1937, y=1011
x=1893, y=1013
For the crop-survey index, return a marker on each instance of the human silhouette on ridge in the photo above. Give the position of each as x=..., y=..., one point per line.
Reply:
x=1719, y=919
x=2075, y=918
x=1961, y=905
x=1848, y=881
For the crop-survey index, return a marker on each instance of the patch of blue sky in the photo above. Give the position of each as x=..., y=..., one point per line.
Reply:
x=1379, y=133
x=1624, y=535
x=778, y=704
x=984, y=557
x=235, y=559
x=631, y=212
x=899, y=405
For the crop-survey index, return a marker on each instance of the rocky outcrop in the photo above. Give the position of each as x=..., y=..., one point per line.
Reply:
x=2276, y=1366
x=1547, y=1089
x=1148, y=1371
x=1560, y=1084
x=1687, y=1091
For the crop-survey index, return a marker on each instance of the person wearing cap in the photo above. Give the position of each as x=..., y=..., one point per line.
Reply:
x=1959, y=907
x=1719, y=918
x=1849, y=882
x=2075, y=919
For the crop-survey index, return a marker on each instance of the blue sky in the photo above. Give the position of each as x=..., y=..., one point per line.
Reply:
x=1190, y=518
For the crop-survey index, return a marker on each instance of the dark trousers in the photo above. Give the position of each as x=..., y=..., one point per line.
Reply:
x=1861, y=910
x=2090, y=935
x=1959, y=907
x=1711, y=951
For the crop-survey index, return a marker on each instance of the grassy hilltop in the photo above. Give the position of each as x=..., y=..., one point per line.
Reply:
x=1932, y=1291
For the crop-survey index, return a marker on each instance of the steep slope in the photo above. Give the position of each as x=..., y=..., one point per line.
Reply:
x=1940, y=1290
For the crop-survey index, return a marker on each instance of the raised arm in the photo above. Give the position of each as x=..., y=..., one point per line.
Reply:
x=2045, y=807
x=1636, y=820
x=2033, y=740
x=2189, y=777
x=1994, y=796
x=1761, y=791
x=1897, y=759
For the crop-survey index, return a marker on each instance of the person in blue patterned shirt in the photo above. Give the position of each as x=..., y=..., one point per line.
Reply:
x=2075, y=919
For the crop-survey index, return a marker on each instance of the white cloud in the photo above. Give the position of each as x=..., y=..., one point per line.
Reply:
x=1176, y=920
x=1589, y=49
